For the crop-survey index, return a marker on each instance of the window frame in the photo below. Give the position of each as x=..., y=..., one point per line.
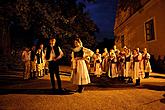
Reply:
x=150, y=31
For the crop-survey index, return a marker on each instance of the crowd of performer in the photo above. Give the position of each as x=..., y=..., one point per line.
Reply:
x=35, y=63
x=125, y=63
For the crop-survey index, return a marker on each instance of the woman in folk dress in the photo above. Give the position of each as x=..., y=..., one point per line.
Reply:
x=127, y=63
x=80, y=75
x=112, y=64
x=146, y=63
x=97, y=63
x=105, y=56
x=128, y=67
x=136, y=66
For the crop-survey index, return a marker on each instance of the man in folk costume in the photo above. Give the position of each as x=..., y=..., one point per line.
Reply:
x=43, y=58
x=136, y=66
x=121, y=65
x=112, y=63
x=97, y=63
x=53, y=55
x=146, y=63
x=33, y=62
x=105, y=56
x=39, y=56
x=26, y=60
x=80, y=75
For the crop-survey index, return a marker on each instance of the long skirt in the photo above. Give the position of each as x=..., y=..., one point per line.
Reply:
x=80, y=75
x=127, y=72
x=141, y=71
x=147, y=66
x=112, y=71
x=121, y=69
x=105, y=65
x=98, y=70
x=136, y=70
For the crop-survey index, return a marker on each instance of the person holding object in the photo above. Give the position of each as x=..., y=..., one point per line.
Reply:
x=53, y=55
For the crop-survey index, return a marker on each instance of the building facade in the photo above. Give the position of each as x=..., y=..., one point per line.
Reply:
x=141, y=23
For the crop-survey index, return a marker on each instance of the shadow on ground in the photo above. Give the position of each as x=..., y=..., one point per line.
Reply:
x=16, y=85
x=153, y=87
x=34, y=92
x=154, y=76
x=163, y=99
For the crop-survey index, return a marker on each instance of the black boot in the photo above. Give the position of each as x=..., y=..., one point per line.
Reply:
x=119, y=78
x=46, y=71
x=122, y=78
x=80, y=88
x=43, y=71
x=130, y=80
x=146, y=75
x=137, y=82
x=34, y=75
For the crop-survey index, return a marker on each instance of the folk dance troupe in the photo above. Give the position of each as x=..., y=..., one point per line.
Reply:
x=124, y=64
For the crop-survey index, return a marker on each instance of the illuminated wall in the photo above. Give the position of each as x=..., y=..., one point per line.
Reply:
x=145, y=28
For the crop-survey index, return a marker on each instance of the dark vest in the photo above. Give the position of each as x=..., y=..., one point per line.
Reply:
x=128, y=58
x=56, y=50
x=79, y=53
x=135, y=59
x=33, y=53
x=39, y=56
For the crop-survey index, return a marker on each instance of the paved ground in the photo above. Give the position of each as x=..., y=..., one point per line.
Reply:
x=102, y=94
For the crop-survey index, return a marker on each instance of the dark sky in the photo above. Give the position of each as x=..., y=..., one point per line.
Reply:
x=103, y=13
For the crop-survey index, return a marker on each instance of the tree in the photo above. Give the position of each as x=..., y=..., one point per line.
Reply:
x=44, y=18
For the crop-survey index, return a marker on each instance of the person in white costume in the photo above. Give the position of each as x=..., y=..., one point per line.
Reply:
x=97, y=63
x=105, y=56
x=112, y=64
x=136, y=66
x=146, y=63
x=80, y=75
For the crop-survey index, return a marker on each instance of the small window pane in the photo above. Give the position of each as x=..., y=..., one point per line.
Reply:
x=150, y=33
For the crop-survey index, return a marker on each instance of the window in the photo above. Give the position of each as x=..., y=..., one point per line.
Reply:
x=149, y=28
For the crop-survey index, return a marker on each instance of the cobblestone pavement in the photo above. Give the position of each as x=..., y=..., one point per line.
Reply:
x=101, y=94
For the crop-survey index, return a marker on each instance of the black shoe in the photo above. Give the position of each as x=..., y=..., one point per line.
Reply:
x=46, y=72
x=146, y=75
x=54, y=89
x=60, y=90
x=137, y=82
x=80, y=89
x=130, y=80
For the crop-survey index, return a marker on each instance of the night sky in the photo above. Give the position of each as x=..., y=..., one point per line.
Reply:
x=103, y=13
